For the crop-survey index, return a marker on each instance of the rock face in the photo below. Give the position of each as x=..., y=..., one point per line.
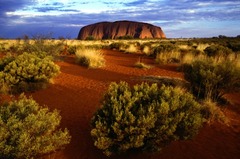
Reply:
x=118, y=29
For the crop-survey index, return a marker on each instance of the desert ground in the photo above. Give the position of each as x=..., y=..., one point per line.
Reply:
x=77, y=93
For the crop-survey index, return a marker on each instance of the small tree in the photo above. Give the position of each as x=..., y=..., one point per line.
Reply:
x=144, y=117
x=29, y=130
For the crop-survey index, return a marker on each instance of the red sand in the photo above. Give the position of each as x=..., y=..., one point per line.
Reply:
x=77, y=93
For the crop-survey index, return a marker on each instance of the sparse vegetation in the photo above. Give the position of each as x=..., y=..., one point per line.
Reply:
x=28, y=130
x=131, y=48
x=142, y=65
x=210, y=79
x=212, y=112
x=168, y=57
x=145, y=117
x=39, y=45
x=217, y=51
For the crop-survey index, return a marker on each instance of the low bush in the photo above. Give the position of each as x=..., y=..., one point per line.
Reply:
x=29, y=130
x=211, y=80
x=166, y=53
x=145, y=117
x=217, y=51
x=234, y=46
x=91, y=58
x=131, y=48
x=167, y=81
x=72, y=50
x=146, y=50
x=116, y=45
x=2, y=47
x=6, y=60
x=170, y=57
x=28, y=69
x=164, y=48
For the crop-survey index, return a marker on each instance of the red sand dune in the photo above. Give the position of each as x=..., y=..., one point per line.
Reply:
x=77, y=93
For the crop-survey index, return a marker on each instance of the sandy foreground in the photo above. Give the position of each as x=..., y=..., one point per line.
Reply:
x=77, y=93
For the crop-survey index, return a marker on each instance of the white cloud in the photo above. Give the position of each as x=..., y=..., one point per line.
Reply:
x=176, y=17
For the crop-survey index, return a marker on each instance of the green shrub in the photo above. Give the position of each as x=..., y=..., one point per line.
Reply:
x=217, y=51
x=91, y=58
x=234, y=46
x=170, y=57
x=164, y=48
x=28, y=130
x=28, y=69
x=2, y=47
x=72, y=50
x=211, y=80
x=5, y=61
x=116, y=45
x=131, y=48
x=145, y=117
x=167, y=53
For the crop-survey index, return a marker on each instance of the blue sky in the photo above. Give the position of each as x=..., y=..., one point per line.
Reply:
x=177, y=18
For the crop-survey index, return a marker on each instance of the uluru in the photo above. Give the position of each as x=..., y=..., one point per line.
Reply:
x=118, y=29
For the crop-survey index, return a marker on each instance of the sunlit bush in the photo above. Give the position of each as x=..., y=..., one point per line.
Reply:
x=217, y=51
x=164, y=48
x=131, y=48
x=210, y=79
x=170, y=57
x=72, y=50
x=116, y=45
x=146, y=50
x=26, y=70
x=28, y=130
x=5, y=61
x=145, y=117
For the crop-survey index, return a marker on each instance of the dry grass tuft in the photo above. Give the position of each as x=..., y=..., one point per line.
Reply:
x=92, y=58
x=213, y=113
x=142, y=65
